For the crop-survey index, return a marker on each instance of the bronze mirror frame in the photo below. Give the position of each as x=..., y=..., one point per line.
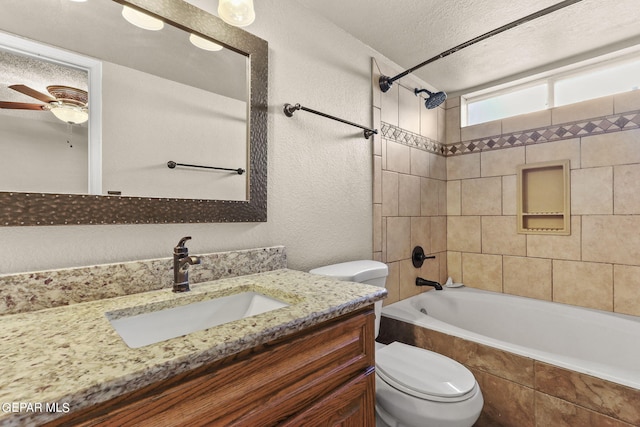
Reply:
x=28, y=209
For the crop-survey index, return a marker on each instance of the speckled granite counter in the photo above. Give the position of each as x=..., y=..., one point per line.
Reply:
x=72, y=358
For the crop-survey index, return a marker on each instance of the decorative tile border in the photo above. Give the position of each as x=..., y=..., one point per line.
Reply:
x=404, y=137
x=600, y=125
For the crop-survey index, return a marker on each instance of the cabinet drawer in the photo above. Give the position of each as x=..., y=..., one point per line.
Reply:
x=262, y=386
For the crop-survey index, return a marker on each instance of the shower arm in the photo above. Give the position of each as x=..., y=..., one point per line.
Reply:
x=386, y=82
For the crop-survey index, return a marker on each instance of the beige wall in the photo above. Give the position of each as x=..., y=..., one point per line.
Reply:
x=409, y=197
x=598, y=265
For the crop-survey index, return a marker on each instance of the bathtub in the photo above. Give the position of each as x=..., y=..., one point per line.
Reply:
x=601, y=344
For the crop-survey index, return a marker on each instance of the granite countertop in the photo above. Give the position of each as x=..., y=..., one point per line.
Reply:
x=68, y=358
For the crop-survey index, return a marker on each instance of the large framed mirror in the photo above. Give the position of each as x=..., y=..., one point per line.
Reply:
x=194, y=116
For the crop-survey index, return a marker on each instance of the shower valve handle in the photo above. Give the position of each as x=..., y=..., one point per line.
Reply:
x=418, y=256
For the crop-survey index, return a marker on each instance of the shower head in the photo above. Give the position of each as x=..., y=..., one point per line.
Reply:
x=433, y=100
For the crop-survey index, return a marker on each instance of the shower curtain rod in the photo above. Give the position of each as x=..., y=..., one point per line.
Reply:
x=386, y=82
x=290, y=109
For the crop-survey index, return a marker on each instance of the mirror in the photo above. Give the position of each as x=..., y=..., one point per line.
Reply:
x=180, y=95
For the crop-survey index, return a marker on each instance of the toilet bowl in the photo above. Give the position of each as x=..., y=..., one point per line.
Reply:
x=414, y=387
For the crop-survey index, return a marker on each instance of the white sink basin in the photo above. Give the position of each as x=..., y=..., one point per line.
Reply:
x=156, y=326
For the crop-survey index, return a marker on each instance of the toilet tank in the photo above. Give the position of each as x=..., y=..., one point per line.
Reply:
x=364, y=271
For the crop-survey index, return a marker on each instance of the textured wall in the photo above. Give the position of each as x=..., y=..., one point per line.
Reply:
x=320, y=174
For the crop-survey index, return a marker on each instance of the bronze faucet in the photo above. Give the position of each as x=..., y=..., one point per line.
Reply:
x=181, y=263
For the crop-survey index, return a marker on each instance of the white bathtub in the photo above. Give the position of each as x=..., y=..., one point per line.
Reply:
x=602, y=344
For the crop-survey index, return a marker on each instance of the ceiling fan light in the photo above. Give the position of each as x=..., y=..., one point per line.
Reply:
x=237, y=12
x=142, y=20
x=203, y=43
x=70, y=113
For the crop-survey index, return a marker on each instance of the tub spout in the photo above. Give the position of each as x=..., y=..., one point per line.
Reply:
x=424, y=282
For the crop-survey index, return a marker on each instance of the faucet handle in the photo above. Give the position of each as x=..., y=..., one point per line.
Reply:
x=181, y=249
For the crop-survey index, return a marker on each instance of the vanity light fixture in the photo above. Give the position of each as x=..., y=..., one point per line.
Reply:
x=203, y=43
x=69, y=113
x=239, y=13
x=141, y=19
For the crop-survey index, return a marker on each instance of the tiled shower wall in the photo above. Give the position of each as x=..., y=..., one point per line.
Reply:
x=409, y=189
x=452, y=190
x=598, y=265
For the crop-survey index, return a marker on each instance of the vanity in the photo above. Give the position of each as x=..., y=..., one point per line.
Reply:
x=308, y=363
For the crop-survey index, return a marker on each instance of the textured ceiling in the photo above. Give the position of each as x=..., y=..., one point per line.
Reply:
x=409, y=32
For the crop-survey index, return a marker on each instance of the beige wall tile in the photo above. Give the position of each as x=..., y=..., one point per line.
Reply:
x=442, y=197
x=558, y=150
x=507, y=403
x=558, y=247
x=408, y=274
x=499, y=236
x=398, y=157
x=452, y=125
x=592, y=191
x=627, y=101
x=384, y=240
x=482, y=271
x=452, y=101
x=438, y=234
x=481, y=196
x=393, y=283
x=377, y=227
x=524, y=122
x=390, y=105
x=421, y=233
x=579, y=111
x=453, y=198
x=409, y=111
x=408, y=195
x=398, y=238
x=377, y=179
x=428, y=121
x=390, y=193
x=420, y=162
x=610, y=149
x=437, y=166
x=501, y=162
x=454, y=265
x=442, y=125
x=463, y=233
x=509, y=204
x=611, y=238
x=626, y=285
x=626, y=195
x=429, y=196
x=463, y=166
x=527, y=277
x=586, y=284
x=481, y=130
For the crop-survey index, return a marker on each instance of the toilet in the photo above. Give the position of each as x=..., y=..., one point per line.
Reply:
x=414, y=387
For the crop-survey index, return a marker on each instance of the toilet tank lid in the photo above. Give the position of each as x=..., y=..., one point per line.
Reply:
x=354, y=271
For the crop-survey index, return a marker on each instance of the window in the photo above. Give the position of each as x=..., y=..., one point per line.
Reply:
x=555, y=90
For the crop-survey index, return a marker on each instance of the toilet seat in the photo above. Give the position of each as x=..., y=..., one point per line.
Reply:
x=424, y=374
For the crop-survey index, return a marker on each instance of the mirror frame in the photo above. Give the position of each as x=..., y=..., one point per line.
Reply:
x=29, y=209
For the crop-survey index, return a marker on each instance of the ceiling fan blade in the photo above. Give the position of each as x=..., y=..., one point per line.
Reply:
x=32, y=93
x=21, y=106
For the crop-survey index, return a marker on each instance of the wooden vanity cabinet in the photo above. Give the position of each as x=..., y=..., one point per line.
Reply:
x=322, y=376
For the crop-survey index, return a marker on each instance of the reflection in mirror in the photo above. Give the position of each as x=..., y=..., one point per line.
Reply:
x=163, y=99
x=194, y=92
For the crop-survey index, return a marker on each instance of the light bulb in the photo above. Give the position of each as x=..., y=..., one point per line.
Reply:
x=237, y=12
x=142, y=20
x=203, y=43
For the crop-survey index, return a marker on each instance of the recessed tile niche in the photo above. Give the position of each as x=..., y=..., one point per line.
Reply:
x=543, y=198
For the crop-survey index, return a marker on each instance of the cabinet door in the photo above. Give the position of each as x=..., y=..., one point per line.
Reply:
x=352, y=405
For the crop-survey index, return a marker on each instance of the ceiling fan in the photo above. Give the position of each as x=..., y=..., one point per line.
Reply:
x=66, y=103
